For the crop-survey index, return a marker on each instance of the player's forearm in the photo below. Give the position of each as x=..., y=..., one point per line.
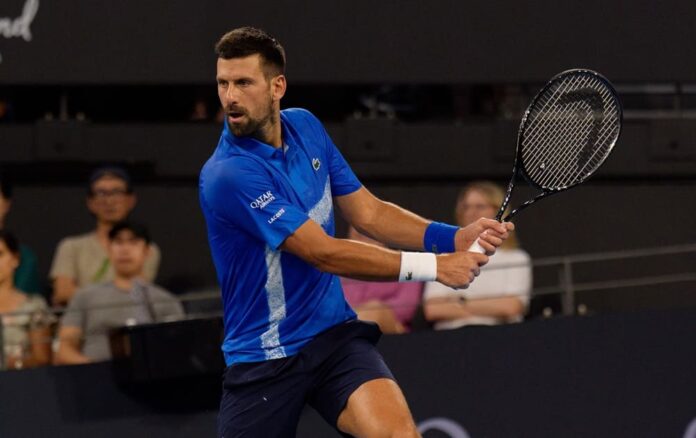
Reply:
x=363, y=261
x=395, y=226
x=358, y=260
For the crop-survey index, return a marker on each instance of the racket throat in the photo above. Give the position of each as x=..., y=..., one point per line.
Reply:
x=525, y=205
x=508, y=194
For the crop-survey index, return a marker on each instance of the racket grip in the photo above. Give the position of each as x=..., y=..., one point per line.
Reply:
x=477, y=248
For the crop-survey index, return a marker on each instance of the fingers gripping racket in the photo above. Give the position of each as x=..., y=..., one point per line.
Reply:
x=567, y=132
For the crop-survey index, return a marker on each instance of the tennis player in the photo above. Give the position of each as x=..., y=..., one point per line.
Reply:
x=267, y=194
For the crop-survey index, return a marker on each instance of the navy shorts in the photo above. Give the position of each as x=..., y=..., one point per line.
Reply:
x=265, y=399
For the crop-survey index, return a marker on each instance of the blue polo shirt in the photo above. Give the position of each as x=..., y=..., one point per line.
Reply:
x=253, y=197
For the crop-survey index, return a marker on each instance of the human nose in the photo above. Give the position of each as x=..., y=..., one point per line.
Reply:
x=231, y=95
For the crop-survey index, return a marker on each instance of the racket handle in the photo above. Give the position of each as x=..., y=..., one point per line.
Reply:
x=477, y=248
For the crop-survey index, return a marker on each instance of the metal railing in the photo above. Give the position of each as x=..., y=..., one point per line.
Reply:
x=568, y=288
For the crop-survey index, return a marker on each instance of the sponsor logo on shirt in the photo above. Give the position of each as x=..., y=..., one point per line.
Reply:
x=262, y=201
x=278, y=214
x=316, y=164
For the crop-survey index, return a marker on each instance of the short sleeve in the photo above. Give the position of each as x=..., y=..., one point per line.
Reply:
x=244, y=195
x=74, y=315
x=64, y=260
x=343, y=179
x=171, y=310
x=166, y=305
x=40, y=315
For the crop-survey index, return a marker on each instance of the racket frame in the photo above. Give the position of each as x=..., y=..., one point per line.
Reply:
x=518, y=168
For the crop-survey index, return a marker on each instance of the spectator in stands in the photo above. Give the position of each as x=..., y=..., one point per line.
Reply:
x=501, y=292
x=83, y=260
x=392, y=305
x=126, y=300
x=199, y=112
x=26, y=276
x=24, y=318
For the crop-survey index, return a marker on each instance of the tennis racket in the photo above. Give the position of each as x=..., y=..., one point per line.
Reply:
x=565, y=135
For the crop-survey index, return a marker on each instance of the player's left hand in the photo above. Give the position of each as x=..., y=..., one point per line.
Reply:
x=489, y=232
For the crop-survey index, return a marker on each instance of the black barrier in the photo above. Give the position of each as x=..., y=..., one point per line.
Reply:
x=613, y=376
x=361, y=41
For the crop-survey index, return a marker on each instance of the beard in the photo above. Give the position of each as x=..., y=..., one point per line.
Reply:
x=250, y=126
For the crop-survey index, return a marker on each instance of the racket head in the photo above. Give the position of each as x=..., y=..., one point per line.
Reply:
x=568, y=131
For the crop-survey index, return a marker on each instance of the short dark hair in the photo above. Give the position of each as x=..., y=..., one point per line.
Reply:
x=110, y=171
x=139, y=230
x=10, y=241
x=247, y=41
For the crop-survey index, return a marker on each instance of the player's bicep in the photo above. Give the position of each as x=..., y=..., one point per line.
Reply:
x=359, y=208
x=310, y=243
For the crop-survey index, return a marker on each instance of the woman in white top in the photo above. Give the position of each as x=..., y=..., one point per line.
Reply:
x=501, y=292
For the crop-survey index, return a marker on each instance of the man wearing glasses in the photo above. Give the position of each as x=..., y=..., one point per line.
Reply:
x=82, y=260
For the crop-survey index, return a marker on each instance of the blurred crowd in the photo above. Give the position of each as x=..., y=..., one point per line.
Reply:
x=102, y=280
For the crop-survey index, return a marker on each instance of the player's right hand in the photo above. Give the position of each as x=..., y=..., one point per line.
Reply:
x=459, y=269
x=489, y=233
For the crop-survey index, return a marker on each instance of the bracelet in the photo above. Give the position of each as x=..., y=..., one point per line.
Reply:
x=418, y=266
x=439, y=237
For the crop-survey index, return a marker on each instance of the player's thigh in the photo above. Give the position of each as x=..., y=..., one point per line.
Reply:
x=377, y=408
x=340, y=374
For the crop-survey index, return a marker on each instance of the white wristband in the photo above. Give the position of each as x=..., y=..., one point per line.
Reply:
x=418, y=266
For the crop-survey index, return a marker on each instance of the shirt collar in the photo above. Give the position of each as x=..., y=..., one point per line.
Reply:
x=257, y=147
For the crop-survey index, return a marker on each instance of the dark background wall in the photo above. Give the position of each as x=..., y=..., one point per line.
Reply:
x=358, y=41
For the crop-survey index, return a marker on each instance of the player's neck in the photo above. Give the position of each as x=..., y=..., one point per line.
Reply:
x=272, y=133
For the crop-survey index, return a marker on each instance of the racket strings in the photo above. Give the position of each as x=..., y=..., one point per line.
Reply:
x=566, y=156
x=605, y=143
x=600, y=145
x=573, y=127
x=541, y=127
x=566, y=137
x=567, y=128
x=540, y=132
